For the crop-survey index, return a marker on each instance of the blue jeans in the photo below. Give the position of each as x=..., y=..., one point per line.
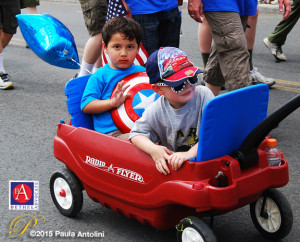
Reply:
x=160, y=29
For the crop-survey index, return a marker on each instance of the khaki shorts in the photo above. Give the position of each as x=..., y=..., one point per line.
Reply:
x=229, y=58
x=94, y=14
x=8, y=11
x=29, y=3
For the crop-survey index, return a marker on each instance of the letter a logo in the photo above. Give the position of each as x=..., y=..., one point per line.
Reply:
x=22, y=193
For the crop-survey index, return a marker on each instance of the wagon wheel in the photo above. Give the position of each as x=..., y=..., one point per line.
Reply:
x=272, y=214
x=193, y=229
x=66, y=192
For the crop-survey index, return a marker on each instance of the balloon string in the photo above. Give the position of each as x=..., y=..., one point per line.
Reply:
x=81, y=65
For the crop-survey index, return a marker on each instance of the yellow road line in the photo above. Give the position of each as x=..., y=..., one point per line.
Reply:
x=288, y=82
x=289, y=89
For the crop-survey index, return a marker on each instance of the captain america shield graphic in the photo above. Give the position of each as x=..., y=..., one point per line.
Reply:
x=142, y=95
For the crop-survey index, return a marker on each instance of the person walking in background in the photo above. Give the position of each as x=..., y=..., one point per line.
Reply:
x=8, y=27
x=257, y=77
x=94, y=13
x=160, y=22
x=229, y=60
x=275, y=40
x=205, y=39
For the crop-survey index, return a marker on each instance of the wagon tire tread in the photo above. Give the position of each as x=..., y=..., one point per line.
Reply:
x=285, y=212
x=76, y=190
x=199, y=225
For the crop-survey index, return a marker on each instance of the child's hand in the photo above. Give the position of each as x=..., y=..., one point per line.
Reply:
x=177, y=159
x=119, y=96
x=160, y=155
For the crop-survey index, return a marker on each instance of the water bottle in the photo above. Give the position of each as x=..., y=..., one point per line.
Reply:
x=273, y=153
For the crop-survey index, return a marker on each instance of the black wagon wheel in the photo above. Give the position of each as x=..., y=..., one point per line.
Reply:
x=193, y=229
x=66, y=192
x=272, y=214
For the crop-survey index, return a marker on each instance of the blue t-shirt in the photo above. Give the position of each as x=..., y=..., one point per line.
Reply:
x=100, y=86
x=243, y=7
x=138, y=7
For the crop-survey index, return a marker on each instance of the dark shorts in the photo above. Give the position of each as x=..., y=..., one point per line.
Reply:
x=8, y=11
x=29, y=3
x=94, y=13
x=160, y=29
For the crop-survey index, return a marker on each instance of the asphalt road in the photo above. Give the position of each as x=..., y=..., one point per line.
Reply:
x=29, y=115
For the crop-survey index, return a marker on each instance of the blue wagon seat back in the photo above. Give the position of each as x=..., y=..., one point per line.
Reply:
x=74, y=90
x=229, y=118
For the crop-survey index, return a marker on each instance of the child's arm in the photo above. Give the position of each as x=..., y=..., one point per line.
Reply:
x=100, y=106
x=176, y=159
x=158, y=153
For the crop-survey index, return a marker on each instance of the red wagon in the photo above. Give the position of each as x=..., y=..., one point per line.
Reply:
x=224, y=176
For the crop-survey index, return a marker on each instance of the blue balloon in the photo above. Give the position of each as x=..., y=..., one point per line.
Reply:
x=49, y=39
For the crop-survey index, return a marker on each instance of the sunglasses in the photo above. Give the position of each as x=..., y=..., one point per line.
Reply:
x=192, y=81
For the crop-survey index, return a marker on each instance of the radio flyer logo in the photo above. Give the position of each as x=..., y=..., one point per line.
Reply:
x=23, y=195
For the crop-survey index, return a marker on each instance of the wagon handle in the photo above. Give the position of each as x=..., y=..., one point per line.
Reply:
x=247, y=154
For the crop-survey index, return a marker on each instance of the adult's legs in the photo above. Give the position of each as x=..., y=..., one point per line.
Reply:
x=275, y=40
x=229, y=56
x=169, y=28
x=31, y=10
x=8, y=27
x=149, y=24
x=92, y=51
x=5, y=39
x=257, y=77
x=94, y=12
x=160, y=29
x=285, y=26
x=204, y=39
x=250, y=35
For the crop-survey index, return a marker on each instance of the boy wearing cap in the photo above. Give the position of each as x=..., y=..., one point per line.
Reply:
x=168, y=130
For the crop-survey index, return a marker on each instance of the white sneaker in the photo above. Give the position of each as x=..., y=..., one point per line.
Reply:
x=275, y=50
x=258, y=78
x=5, y=83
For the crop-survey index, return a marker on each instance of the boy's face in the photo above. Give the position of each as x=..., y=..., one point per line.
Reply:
x=121, y=51
x=177, y=100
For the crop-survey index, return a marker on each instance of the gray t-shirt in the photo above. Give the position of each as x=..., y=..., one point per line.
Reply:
x=177, y=129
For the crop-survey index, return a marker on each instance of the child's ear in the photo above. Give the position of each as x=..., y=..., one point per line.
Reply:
x=104, y=47
x=157, y=89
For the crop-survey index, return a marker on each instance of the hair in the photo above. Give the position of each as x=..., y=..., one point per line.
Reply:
x=125, y=26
